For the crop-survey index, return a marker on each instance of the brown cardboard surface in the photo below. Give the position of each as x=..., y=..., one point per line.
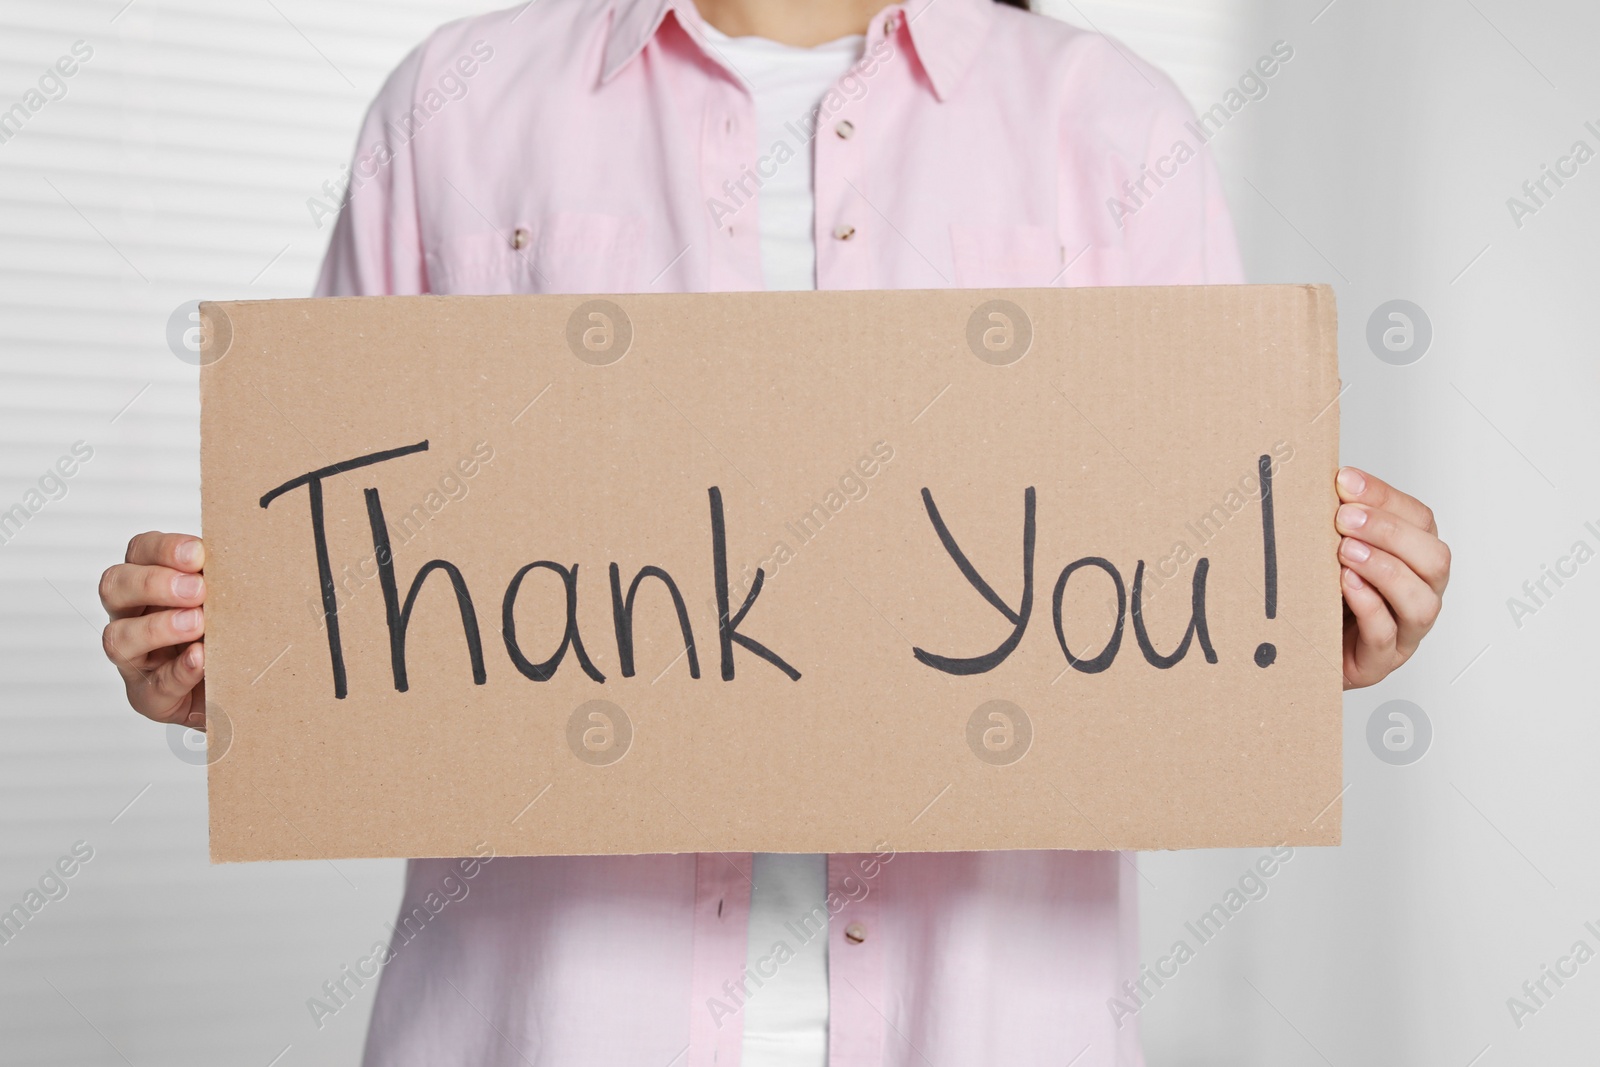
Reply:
x=574, y=433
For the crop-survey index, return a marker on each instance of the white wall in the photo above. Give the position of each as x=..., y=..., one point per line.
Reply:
x=179, y=164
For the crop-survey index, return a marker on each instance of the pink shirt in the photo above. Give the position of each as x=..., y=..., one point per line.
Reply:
x=604, y=146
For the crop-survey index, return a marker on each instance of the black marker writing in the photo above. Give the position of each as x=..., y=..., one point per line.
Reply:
x=1102, y=660
x=1109, y=653
x=570, y=638
x=622, y=616
x=1017, y=618
x=1197, y=619
x=399, y=618
x=398, y=611
x=728, y=628
x=319, y=539
x=1266, y=652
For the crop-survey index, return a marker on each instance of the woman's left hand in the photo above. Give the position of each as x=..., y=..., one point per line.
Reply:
x=1393, y=570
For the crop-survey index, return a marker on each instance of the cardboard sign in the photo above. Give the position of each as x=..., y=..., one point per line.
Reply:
x=791, y=572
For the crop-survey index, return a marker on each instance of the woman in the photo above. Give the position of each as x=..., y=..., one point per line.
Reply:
x=656, y=145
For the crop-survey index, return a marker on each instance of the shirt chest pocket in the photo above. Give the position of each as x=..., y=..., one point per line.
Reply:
x=1004, y=257
x=560, y=252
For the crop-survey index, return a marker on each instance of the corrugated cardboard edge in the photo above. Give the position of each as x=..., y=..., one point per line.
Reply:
x=1324, y=313
x=216, y=340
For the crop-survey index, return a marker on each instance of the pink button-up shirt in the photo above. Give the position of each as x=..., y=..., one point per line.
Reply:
x=605, y=146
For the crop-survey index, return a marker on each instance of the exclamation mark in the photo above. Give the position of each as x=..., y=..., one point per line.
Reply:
x=1266, y=652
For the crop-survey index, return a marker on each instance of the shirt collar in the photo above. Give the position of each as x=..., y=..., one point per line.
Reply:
x=945, y=35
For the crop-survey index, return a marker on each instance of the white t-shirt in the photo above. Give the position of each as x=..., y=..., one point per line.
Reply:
x=787, y=83
x=786, y=1017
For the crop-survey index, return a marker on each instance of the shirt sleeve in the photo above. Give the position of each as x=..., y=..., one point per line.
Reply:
x=1179, y=231
x=1139, y=177
x=376, y=248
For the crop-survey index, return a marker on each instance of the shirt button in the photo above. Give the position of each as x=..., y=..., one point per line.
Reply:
x=855, y=933
x=845, y=129
x=519, y=238
x=844, y=233
x=891, y=24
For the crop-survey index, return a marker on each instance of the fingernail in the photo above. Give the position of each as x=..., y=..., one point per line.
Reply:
x=1354, y=579
x=1351, y=517
x=187, y=619
x=195, y=656
x=189, y=553
x=1350, y=481
x=187, y=586
x=1354, y=550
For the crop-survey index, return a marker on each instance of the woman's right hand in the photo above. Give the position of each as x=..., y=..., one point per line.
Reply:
x=156, y=600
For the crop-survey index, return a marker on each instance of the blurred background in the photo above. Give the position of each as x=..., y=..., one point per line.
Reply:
x=187, y=156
